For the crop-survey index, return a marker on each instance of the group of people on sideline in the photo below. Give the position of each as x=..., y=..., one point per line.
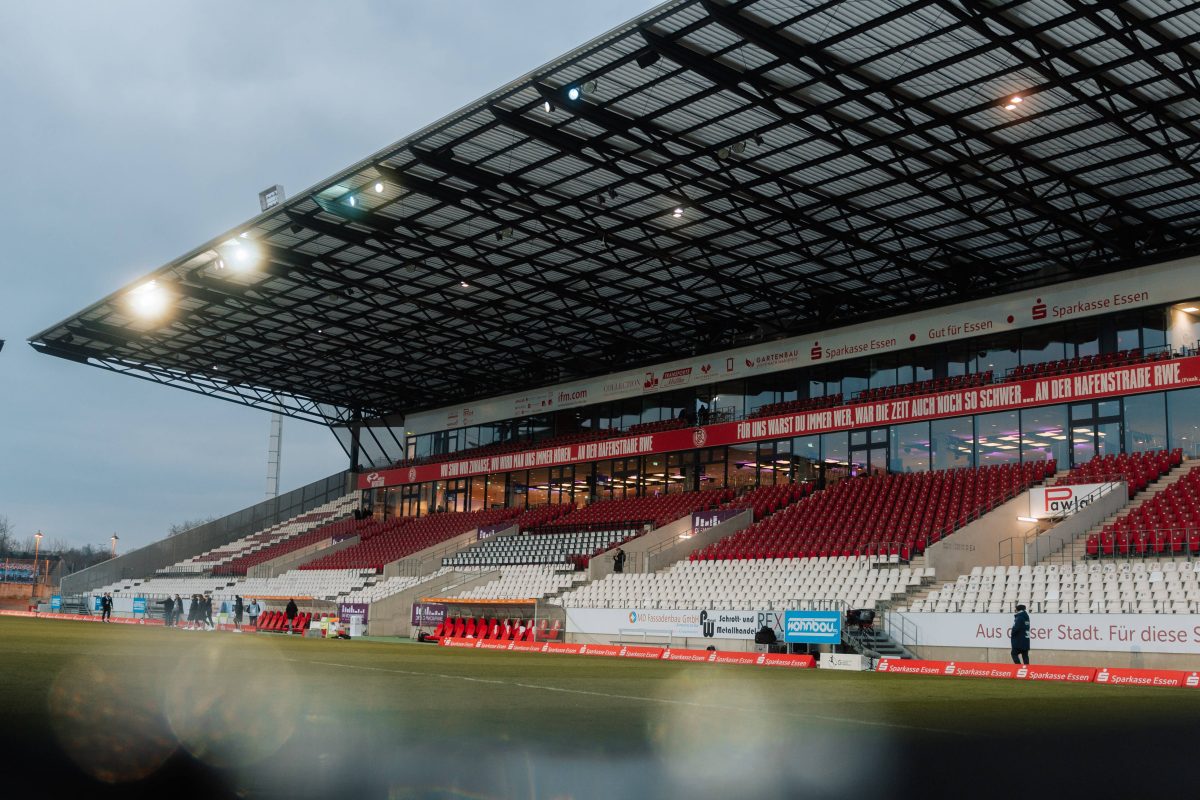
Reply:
x=200, y=612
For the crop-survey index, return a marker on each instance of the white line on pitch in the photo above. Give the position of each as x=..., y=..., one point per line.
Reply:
x=663, y=700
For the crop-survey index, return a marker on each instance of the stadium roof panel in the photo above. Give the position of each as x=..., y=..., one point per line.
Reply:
x=831, y=161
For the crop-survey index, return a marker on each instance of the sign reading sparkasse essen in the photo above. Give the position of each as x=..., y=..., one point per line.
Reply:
x=1142, y=287
x=1155, y=376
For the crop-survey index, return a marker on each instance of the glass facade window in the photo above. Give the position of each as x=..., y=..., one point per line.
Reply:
x=952, y=443
x=1044, y=435
x=1145, y=422
x=1183, y=414
x=835, y=456
x=1043, y=344
x=883, y=371
x=997, y=438
x=998, y=356
x=743, y=467
x=909, y=449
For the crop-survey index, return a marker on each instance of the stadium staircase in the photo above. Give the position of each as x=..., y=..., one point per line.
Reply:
x=1164, y=486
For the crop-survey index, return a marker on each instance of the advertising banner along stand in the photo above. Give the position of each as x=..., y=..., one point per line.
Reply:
x=1117, y=633
x=674, y=623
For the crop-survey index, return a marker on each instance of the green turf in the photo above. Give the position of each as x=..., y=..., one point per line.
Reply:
x=62, y=679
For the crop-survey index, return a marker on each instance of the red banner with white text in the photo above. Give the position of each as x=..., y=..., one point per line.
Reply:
x=1115, y=382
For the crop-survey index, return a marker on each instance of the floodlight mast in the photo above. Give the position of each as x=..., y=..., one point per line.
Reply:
x=267, y=199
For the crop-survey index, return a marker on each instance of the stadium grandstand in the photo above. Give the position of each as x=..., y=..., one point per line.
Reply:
x=740, y=311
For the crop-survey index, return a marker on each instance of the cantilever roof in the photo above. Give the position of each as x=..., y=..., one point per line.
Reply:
x=832, y=160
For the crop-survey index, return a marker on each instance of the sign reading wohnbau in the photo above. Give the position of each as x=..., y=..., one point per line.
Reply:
x=812, y=627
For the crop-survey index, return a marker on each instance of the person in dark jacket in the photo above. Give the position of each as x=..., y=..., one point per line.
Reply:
x=208, y=618
x=168, y=608
x=1020, y=636
x=237, y=612
x=178, y=611
x=290, y=612
x=619, y=560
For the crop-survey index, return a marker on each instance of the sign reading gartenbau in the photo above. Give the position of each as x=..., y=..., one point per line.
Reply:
x=812, y=627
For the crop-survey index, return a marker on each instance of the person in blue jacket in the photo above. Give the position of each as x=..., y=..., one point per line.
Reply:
x=1020, y=636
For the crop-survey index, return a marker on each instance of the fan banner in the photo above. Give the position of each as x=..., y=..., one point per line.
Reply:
x=1101, y=384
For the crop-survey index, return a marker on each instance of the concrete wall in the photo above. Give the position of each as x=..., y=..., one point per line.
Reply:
x=423, y=562
x=1065, y=532
x=682, y=548
x=392, y=616
x=297, y=558
x=1079, y=658
x=144, y=561
x=664, y=546
x=636, y=552
x=978, y=543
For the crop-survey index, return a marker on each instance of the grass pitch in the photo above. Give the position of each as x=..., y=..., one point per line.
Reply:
x=119, y=710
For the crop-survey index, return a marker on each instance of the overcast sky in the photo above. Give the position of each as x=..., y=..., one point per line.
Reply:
x=133, y=132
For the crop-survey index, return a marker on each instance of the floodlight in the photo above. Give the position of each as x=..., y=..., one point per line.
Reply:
x=378, y=187
x=573, y=93
x=239, y=254
x=149, y=300
x=678, y=212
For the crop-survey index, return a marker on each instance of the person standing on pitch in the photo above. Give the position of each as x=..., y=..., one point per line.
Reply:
x=237, y=613
x=168, y=606
x=106, y=604
x=290, y=612
x=255, y=610
x=1020, y=636
x=178, y=611
x=208, y=619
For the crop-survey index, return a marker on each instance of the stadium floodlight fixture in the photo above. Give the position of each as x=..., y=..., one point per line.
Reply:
x=574, y=93
x=378, y=187
x=149, y=300
x=464, y=284
x=678, y=212
x=352, y=201
x=241, y=255
x=548, y=107
x=1190, y=310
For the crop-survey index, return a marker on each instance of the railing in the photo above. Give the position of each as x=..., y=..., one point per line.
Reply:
x=1176, y=543
x=1038, y=539
x=902, y=630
